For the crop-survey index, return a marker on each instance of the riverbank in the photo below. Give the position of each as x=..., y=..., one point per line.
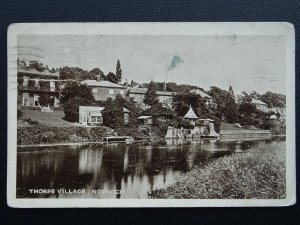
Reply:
x=257, y=173
x=45, y=135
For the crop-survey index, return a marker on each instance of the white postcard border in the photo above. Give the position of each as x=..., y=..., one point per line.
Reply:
x=14, y=30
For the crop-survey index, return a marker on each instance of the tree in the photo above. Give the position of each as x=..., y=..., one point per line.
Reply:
x=112, y=77
x=231, y=93
x=74, y=95
x=273, y=99
x=97, y=72
x=36, y=65
x=151, y=97
x=182, y=102
x=113, y=114
x=75, y=73
x=230, y=110
x=118, y=72
x=71, y=108
x=75, y=89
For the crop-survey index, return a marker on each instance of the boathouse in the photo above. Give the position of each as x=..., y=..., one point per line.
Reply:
x=191, y=116
x=145, y=120
x=90, y=115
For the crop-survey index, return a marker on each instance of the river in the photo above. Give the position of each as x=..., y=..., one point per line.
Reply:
x=114, y=170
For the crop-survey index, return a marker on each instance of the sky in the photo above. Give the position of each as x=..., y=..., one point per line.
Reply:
x=247, y=63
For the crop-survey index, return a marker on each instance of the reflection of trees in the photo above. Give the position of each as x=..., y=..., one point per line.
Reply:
x=110, y=167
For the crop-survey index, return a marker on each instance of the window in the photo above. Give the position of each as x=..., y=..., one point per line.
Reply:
x=96, y=119
x=94, y=90
x=121, y=92
x=111, y=91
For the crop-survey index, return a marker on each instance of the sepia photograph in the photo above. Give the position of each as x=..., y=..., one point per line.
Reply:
x=151, y=115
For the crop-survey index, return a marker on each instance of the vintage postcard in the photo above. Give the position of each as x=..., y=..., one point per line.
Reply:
x=151, y=115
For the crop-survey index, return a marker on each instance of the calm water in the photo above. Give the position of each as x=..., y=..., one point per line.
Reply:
x=112, y=171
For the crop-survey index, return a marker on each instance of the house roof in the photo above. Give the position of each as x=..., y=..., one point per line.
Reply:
x=190, y=114
x=91, y=108
x=46, y=72
x=144, y=117
x=256, y=101
x=210, y=120
x=125, y=110
x=200, y=92
x=102, y=83
x=144, y=90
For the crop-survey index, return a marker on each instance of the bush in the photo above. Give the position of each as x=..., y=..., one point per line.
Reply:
x=19, y=114
x=48, y=135
x=258, y=173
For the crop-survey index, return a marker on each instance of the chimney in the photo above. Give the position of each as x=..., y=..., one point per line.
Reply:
x=98, y=78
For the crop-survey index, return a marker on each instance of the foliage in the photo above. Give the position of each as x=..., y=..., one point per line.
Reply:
x=158, y=111
x=182, y=102
x=71, y=107
x=172, y=87
x=44, y=85
x=151, y=97
x=43, y=135
x=75, y=73
x=273, y=99
x=230, y=111
x=118, y=71
x=258, y=173
x=112, y=77
x=44, y=99
x=36, y=65
x=31, y=85
x=75, y=89
x=113, y=115
x=19, y=114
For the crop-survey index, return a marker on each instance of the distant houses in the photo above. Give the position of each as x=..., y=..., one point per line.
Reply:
x=137, y=95
x=260, y=105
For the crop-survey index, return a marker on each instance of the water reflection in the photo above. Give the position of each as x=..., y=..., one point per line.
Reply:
x=113, y=171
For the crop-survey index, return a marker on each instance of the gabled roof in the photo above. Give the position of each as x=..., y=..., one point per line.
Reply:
x=46, y=72
x=190, y=114
x=102, y=83
x=256, y=101
x=200, y=92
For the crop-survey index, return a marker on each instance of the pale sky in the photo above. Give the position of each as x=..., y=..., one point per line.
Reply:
x=247, y=63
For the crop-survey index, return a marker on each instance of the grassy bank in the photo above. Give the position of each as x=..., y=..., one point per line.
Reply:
x=258, y=173
x=40, y=134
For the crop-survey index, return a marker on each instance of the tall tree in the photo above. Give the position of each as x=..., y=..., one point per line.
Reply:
x=151, y=97
x=230, y=110
x=231, y=93
x=74, y=95
x=118, y=71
